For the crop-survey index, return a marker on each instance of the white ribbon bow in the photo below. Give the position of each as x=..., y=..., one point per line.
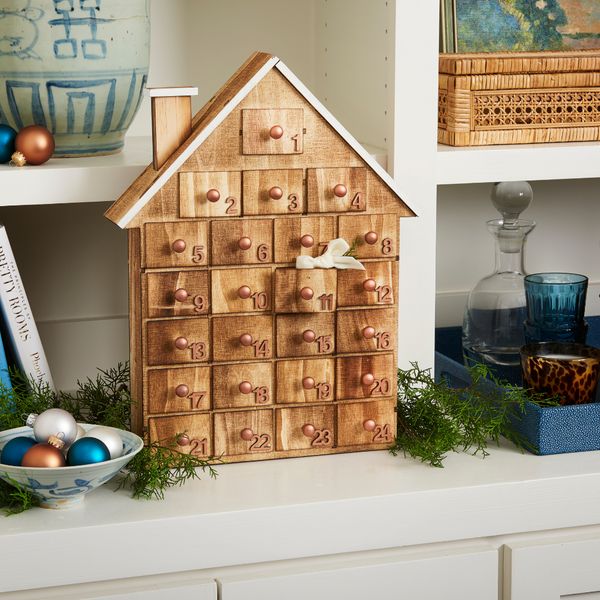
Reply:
x=332, y=257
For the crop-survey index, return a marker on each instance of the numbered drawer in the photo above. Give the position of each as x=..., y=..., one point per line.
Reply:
x=191, y=434
x=242, y=385
x=242, y=242
x=362, y=423
x=377, y=284
x=241, y=290
x=272, y=130
x=176, y=294
x=366, y=376
x=305, y=335
x=307, y=236
x=369, y=330
x=248, y=432
x=337, y=190
x=274, y=192
x=210, y=194
x=305, y=428
x=310, y=380
x=305, y=290
x=375, y=236
x=176, y=244
x=178, y=390
x=242, y=338
x=180, y=341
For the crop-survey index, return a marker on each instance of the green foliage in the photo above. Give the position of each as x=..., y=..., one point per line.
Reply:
x=14, y=499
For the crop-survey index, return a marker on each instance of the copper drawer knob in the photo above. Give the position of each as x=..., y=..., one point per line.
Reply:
x=371, y=237
x=246, y=339
x=368, y=332
x=182, y=390
x=245, y=387
x=213, y=195
x=369, y=425
x=340, y=190
x=181, y=295
x=308, y=383
x=275, y=193
x=306, y=293
x=276, y=132
x=178, y=246
x=369, y=285
x=244, y=292
x=308, y=430
x=368, y=379
x=181, y=343
x=183, y=440
x=247, y=434
x=307, y=241
x=309, y=336
x=245, y=243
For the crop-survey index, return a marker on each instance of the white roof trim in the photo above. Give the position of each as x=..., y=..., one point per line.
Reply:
x=172, y=92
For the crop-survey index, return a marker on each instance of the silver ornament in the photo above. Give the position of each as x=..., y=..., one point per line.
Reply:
x=54, y=421
x=111, y=438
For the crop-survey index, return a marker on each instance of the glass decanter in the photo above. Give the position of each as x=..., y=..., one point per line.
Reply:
x=496, y=308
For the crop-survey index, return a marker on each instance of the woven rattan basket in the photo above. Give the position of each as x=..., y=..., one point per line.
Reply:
x=519, y=98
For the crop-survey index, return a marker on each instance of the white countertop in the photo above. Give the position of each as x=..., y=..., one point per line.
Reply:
x=300, y=507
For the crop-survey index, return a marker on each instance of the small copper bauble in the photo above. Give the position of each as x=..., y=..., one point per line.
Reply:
x=340, y=190
x=43, y=455
x=306, y=293
x=371, y=237
x=244, y=292
x=182, y=390
x=368, y=332
x=276, y=132
x=35, y=143
x=213, y=195
x=246, y=434
x=308, y=430
x=181, y=343
x=178, y=246
x=369, y=425
x=309, y=336
x=308, y=383
x=368, y=379
x=246, y=339
x=245, y=243
x=181, y=295
x=183, y=440
x=369, y=285
x=275, y=193
x=307, y=241
x=245, y=387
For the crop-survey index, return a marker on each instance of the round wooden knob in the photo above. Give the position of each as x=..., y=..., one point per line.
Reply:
x=245, y=243
x=246, y=434
x=213, y=195
x=308, y=383
x=182, y=390
x=246, y=339
x=276, y=132
x=244, y=292
x=178, y=246
x=369, y=425
x=306, y=293
x=368, y=379
x=308, y=430
x=181, y=295
x=181, y=343
x=307, y=241
x=371, y=237
x=340, y=190
x=369, y=285
x=245, y=387
x=183, y=440
x=368, y=332
x=275, y=193
x=309, y=336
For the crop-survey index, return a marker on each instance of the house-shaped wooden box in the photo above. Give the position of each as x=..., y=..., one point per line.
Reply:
x=234, y=351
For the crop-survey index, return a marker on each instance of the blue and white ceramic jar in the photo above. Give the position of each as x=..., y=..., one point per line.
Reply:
x=78, y=67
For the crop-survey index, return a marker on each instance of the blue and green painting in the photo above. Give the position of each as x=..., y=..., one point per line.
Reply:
x=527, y=25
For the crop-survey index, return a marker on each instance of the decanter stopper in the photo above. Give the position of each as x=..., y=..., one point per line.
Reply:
x=511, y=198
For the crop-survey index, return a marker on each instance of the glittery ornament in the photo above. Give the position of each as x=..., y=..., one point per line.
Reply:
x=110, y=437
x=43, y=455
x=36, y=144
x=14, y=450
x=54, y=421
x=7, y=142
x=86, y=451
x=17, y=160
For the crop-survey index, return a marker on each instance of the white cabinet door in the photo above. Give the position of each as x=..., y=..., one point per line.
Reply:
x=556, y=568
x=464, y=573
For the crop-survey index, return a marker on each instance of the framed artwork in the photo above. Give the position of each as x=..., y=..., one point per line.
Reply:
x=519, y=25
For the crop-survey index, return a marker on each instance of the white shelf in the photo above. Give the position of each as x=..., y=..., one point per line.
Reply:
x=75, y=180
x=576, y=160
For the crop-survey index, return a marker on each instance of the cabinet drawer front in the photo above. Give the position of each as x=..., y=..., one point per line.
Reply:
x=310, y=380
x=369, y=330
x=242, y=338
x=181, y=341
x=308, y=236
x=367, y=376
x=337, y=190
x=178, y=390
x=242, y=385
x=305, y=427
x=376, y=285
x=244, y=432
x=210, y=194
x=192, y=434
x=241, y=290
x=274, y=192
x=176, y=244
x=272, y=131
x=176, y=294
x=375, y=236
x=242, y=242
x=366, y=423
x=305, y=290
x=305, y=335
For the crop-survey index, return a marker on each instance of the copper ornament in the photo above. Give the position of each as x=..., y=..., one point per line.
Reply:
x=43, y=455
x=35, y=143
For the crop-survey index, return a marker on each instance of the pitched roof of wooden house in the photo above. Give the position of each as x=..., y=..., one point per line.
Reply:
x=211, y=115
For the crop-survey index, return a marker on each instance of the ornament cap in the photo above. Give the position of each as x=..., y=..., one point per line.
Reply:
x=31, y=419
x=55, y=441
x=18, y=159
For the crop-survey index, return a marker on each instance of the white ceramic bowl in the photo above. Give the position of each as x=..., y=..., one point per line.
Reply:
x=65, y=487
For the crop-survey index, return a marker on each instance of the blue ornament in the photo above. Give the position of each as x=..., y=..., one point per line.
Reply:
x=7, y=142
x=13, y=451
x=86, y=451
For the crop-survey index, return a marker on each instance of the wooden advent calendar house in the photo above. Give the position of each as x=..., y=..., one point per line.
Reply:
x=234, y=350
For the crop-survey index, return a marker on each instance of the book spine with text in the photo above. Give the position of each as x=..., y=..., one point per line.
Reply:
x=18, y=318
